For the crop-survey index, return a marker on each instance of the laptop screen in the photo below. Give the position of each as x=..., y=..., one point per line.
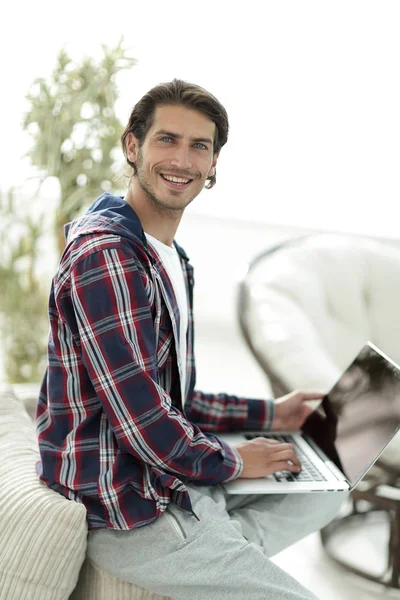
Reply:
x=366, y=402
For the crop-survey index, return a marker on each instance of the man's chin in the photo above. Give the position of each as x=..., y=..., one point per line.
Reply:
x=173, y=200
x=178, y=205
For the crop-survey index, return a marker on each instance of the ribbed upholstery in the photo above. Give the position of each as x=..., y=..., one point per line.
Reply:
x=43, y=535
x=96, y=584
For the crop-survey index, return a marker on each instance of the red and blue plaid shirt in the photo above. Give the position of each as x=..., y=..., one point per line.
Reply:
x=113, y=433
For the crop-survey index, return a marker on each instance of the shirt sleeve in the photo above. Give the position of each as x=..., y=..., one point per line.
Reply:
x=223, y=412
x=110, y=295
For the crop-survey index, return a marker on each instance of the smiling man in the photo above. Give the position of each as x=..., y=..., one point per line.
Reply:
x=121, y=427
x=177, y=162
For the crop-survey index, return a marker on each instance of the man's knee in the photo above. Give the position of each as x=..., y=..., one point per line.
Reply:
x=329, y=506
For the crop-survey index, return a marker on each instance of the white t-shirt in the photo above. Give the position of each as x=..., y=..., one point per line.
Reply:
x=172, y=264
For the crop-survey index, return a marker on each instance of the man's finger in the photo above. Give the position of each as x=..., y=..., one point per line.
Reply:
x=279, y=446
x=268, y=440
x=308, y=409
x=311, y=395
x=285, y=456
x=283, y=466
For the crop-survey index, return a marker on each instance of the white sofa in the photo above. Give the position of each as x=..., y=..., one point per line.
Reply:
x=42, y=534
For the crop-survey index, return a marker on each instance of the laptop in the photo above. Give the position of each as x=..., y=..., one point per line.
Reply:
x=343, y=437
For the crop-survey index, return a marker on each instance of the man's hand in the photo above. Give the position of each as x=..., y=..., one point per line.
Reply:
x=262, y=457
x=291, y=410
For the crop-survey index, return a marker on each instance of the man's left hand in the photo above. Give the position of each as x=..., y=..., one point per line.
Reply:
x=292, y=410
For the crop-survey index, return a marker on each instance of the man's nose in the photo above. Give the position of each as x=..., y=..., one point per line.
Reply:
x=181, y=157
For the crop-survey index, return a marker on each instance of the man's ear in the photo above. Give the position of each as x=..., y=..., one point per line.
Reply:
x=132, y=147
x=211, y=172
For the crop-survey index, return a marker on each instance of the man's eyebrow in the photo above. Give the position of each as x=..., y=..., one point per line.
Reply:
x=179, y=136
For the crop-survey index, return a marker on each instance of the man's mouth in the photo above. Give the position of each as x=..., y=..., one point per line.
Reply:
x=176, y=182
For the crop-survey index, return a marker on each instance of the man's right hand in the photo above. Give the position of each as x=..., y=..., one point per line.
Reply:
x=262, y=457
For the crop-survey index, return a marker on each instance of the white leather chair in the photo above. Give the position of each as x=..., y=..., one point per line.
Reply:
x=306, y=307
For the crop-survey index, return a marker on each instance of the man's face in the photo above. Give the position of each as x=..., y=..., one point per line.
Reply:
x=176, y=156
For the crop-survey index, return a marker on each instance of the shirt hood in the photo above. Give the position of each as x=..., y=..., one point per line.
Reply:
x=110, y=214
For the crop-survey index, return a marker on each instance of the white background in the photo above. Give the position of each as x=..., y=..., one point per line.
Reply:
x=311, y=87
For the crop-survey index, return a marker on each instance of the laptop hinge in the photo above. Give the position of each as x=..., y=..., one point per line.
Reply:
x=327, y=461
x=316, y=448
x=336, y=472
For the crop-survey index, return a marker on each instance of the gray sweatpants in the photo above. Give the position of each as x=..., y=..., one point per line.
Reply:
x=224, y=556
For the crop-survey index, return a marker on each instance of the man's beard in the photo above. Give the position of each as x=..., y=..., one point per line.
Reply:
x=158, y=203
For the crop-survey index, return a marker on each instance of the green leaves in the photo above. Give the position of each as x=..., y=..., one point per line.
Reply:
x=73, y=126
x=23, y=301
x=74, y=134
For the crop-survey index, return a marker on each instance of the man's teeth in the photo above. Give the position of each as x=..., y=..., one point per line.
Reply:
x=175, y=179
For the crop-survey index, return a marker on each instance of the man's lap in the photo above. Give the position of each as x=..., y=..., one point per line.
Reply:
x=182, y=556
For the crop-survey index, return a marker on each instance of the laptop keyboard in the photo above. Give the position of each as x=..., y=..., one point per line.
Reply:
x=309, y=471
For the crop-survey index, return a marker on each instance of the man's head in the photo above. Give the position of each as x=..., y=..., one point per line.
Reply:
x=175, y=131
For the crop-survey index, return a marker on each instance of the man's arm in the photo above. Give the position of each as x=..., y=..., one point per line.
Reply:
x=110, y=298
x=223, y=412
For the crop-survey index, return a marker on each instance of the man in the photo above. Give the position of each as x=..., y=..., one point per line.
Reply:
x=121, y=428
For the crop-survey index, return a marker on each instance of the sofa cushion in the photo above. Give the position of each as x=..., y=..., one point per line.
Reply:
x=96, y=584
x=42, y=534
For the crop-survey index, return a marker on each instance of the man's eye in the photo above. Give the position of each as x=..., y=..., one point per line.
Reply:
x=201, y=146
x=166, y=138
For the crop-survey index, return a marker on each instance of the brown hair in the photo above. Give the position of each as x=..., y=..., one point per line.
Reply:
x=176, y=92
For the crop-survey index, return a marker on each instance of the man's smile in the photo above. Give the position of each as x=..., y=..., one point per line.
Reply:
x=176, y=182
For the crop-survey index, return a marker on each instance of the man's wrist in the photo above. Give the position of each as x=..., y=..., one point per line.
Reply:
x=278, y=418
x=270, y=414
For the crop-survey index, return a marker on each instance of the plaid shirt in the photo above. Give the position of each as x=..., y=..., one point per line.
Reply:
x=113, y=433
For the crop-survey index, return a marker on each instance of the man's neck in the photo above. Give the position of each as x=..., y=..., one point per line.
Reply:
x=160, y=223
